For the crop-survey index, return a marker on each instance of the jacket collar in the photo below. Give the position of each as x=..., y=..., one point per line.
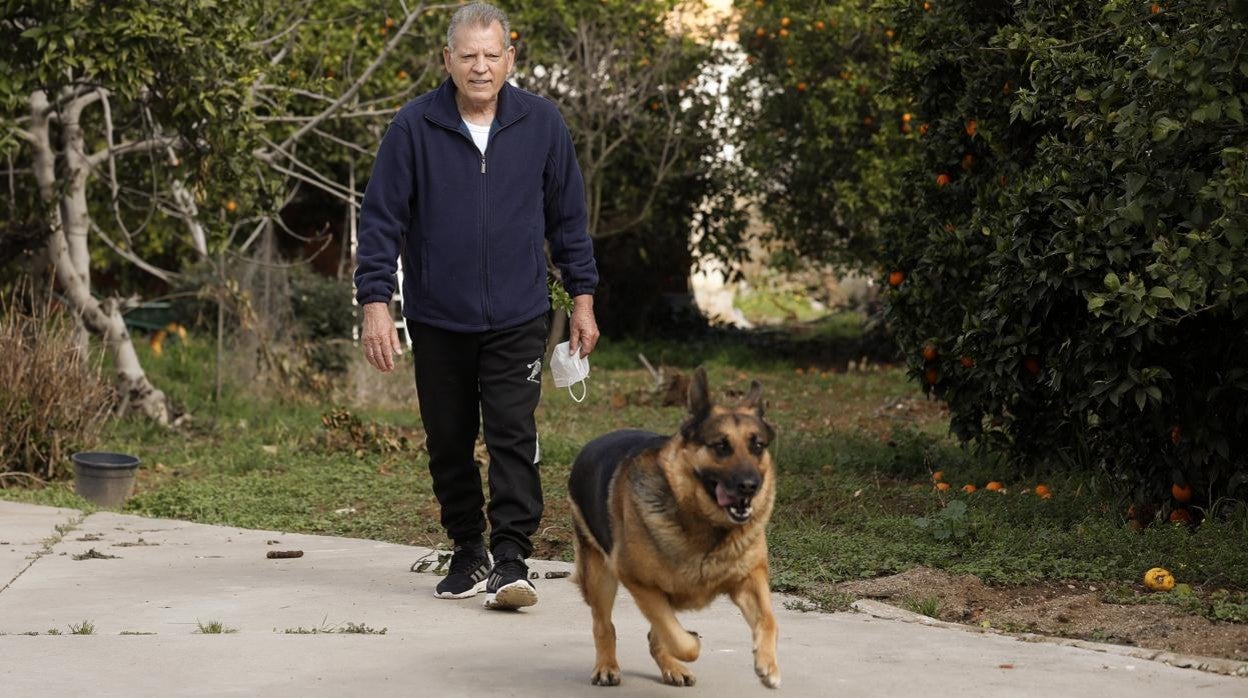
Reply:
x=445, y=112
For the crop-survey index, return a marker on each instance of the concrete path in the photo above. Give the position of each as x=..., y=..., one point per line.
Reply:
x=168, y=577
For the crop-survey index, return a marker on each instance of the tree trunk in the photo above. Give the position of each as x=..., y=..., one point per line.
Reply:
x=68, y=220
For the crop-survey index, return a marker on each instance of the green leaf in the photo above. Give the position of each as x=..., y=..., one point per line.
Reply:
x=1163, y=127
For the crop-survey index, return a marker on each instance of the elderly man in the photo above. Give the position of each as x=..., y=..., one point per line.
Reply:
x=470, y=181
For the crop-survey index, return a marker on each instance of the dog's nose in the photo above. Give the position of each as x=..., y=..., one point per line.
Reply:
x=747, y=487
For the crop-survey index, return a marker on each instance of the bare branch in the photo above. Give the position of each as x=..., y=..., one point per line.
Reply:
x=273, y=39
x=351, y=91
x=162, y=274
x=157, y=143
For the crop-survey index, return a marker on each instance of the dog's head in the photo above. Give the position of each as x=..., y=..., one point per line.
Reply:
x=726, y=454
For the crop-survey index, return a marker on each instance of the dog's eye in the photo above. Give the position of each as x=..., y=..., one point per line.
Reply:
x=757, y=445
x=722, y=448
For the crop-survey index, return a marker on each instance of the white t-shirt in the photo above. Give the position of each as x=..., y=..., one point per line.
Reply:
x=480, y=135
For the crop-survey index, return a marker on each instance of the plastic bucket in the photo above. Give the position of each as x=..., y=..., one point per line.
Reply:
x=104, y=479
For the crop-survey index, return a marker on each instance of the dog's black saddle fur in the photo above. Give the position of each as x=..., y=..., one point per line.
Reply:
x=589, y=484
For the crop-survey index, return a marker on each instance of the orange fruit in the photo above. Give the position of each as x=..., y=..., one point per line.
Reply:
x=895, y=278
x=1003, y=180
x=1159, y=579
x=888, y=33
x=1181, y=493
x=927, y=7
x=867, y=121
x=1032, y=365
x=931, y=375
x=994, y=486
x=1043, y=492
x=942, y=486
x=231, y=206
x=972, y=127
x=923, y=129
x=1006, y=88
x=969, y=488
x=785, y=21
x=967, y=362
x=801, y=87
x=968, y=161
x=905, y=128
x=820, y=25
x=943, y=179
x=402, y=75
x=654, y=106
x=751, y=60
x=1155, y=9
x=930, y=352
x=784, y=33
x=1181, y=516
x=906, y=117
x=938, y=476
x=515, y=35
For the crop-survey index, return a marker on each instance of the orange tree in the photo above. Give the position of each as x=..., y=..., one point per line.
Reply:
x=1073, y=243
x=823, y=142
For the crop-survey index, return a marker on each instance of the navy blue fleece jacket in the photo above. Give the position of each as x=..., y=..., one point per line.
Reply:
x=470, y=227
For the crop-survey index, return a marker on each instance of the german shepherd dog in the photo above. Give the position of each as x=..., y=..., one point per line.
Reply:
x=678, y=520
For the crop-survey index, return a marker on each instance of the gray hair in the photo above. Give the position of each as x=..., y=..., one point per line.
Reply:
x=479, y=14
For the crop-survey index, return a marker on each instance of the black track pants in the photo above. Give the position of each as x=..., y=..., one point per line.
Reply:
x=493, y=378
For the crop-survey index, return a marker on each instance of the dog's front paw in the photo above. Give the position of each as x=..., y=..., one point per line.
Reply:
x=606, y=675
x=676, y=674
x=768, y=672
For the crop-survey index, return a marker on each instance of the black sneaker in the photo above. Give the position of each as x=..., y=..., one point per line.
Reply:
x=509, y=587
x=469, y=567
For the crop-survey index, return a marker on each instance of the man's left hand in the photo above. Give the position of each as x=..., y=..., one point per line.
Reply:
x=583, y=333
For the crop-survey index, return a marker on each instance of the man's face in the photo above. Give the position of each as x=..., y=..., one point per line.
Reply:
x=477, y=62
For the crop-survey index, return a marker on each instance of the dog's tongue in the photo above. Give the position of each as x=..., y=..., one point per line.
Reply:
x=722, y=496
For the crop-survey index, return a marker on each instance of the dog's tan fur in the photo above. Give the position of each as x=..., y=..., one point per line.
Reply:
x=676, y=548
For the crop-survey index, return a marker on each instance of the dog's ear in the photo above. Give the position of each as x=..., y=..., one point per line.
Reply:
x=699, y=402
x=754, y=398
x=699, y=394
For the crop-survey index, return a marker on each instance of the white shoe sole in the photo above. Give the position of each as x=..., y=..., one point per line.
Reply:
x=476, y=589
x=518, y=594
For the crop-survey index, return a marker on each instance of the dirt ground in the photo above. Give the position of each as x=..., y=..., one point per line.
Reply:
x=1074, y=610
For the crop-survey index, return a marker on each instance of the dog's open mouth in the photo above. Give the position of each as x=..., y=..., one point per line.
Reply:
x=738, y=508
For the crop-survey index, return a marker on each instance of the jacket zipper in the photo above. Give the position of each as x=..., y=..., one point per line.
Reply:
x=485, y=245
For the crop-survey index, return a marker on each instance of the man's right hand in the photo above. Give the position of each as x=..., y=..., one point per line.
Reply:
x=380, y=338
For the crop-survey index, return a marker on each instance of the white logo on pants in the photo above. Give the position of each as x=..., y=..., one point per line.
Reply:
x=535, y=371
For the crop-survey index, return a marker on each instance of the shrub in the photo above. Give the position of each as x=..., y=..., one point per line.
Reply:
x=1074, y=254
x=53, y=400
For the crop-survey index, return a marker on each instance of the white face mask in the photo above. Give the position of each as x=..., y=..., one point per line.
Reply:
x=568, y=368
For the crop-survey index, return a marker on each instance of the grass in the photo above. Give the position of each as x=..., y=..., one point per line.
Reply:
x=214, y=627
x=86, y=627
x=855, y=454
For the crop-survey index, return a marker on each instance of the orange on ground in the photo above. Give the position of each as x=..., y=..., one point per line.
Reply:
x=1159, y=579
x=942, y=486
x=938, y=476
x=969, y=488
x=1042, y=491
x=994, y=486
x=1181, y=516
x=1181, y=493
